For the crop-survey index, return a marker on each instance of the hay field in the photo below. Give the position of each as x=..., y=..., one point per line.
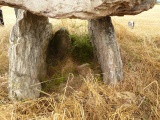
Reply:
x=145, y=23
x=137, y=97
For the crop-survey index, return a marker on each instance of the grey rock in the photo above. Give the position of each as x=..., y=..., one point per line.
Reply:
x=27, y=55
x=83, y=9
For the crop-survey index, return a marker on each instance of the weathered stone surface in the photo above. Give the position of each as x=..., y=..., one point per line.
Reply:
x=84, y=70
x=27, y=55
x=60, y=44
x=83, y=9
x=104, y=40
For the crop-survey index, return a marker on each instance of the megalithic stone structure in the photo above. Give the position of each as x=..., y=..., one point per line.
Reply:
x=82, y=9
x=32, y=32
x=27, y=55
x=106, y=47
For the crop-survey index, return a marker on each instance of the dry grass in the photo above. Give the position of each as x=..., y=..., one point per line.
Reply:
x=137, y=97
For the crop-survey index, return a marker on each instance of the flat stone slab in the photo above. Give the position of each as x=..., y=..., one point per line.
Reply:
x=82, y=9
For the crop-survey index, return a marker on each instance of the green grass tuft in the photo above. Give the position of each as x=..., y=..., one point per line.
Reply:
x=53, y=83
x=81, y=48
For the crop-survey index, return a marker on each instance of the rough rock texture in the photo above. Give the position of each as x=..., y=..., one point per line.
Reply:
x=84, y=70
x=104, y=40
x=60, y=45
x=27, y=55
x=83, y=9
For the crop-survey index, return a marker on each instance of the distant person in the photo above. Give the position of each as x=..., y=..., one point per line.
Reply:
x=1, y=17
x=131, y=24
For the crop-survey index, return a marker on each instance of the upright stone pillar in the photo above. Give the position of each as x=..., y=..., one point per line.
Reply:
x=27, y=55
x=107, y=51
